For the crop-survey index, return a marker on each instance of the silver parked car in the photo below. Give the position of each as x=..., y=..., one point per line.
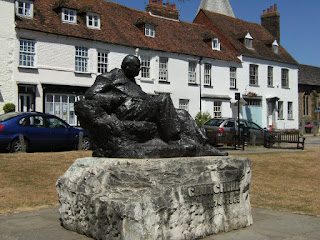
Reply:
x=249, y=129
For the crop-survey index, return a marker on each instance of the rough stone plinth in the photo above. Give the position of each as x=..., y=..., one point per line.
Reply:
x=172, y=198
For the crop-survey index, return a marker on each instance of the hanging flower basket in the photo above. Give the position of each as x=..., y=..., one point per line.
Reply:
x=252, y=94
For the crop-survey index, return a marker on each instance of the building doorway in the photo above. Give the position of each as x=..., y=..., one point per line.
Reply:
x=26, y=102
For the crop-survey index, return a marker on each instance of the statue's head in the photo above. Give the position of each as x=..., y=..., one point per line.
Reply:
x=131, y=66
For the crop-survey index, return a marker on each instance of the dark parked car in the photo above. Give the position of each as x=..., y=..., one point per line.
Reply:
x=40, y=131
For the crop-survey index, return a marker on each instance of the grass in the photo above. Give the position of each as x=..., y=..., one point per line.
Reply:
x=286, y=181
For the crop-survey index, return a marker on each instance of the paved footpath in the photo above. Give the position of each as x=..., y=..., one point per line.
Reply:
x=267, y=224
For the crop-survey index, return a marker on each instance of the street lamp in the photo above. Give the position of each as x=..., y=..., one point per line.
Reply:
x=237, y=97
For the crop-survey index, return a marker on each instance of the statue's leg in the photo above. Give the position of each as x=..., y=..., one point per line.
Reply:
x=167, y=116
x=158, y=109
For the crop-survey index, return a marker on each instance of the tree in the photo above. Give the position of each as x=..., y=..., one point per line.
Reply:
x=202, y=117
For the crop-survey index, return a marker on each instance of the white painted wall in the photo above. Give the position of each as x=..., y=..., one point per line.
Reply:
x=7, y=49
x=285, y=95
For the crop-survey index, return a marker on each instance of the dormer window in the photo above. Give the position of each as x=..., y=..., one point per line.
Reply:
x=216, y=44
x=24, y=8
x=275, y=47
x=248, y=41
x=150, y=30
x=93, y=20
x=69, y=15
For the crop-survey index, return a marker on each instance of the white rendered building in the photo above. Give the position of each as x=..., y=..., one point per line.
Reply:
x=52, y=52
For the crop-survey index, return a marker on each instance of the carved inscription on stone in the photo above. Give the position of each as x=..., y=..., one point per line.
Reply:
x=214, y=194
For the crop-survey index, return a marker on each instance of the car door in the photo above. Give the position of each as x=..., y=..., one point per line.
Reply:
x=33, y=128
x=256, y=130
x=60, y=133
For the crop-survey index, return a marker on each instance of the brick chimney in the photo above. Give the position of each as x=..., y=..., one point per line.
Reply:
x=270, y=20
x=167, y=10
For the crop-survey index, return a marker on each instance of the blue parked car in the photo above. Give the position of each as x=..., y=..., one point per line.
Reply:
x=40, y=131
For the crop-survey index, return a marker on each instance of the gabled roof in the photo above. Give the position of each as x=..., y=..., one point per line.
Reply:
x=235, y=30
x=309, y=75
x=120, y=25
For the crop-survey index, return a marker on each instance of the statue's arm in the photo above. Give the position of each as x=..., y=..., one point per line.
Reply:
x=102, y=84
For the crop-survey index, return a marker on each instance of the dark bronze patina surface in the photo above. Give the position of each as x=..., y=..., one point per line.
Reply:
x=123, y=121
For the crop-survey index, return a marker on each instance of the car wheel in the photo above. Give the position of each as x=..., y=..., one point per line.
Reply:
x=86, y=144
x=16, y=146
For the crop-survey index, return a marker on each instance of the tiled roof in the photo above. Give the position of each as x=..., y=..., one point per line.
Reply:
x=235, y=30
x=309, y=75
x=120, y=25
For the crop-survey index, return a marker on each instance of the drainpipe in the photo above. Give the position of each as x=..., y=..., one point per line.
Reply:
x=200, y=82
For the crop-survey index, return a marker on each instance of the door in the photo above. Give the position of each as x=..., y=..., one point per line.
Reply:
x=257, y=131
x=26, y=102
x=60, y=133
x=271, y=113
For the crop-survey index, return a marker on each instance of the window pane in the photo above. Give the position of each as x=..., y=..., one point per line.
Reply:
x=102, y=62
x=145, y=67
x=233, y=77
x=192, y=72
x=163, y=69
x=207, y=74
x=27, y=53
x=81, y=59
x=184, y=104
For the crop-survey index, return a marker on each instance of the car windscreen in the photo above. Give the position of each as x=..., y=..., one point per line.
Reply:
x=214, y=122
x=8, y=116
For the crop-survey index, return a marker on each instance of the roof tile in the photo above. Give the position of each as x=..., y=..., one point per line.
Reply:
x=118, y=26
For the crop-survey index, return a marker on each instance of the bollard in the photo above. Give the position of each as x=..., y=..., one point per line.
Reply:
x=22, y=142
x=80, y=144
x=253, y=139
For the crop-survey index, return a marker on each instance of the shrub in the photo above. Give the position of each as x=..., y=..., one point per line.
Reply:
x=202, y=117
x=9, y=107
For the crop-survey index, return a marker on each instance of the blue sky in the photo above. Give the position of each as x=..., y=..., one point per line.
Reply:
x=299, y=21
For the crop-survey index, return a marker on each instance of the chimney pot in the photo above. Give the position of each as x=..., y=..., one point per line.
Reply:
x=160, y=3
x=173, y=6
x=268, y=10
x=167, y=4
x=271, y=9
x=275, y=7
x=264, y=11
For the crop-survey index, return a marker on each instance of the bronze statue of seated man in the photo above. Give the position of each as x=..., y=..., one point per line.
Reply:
x=124, y=121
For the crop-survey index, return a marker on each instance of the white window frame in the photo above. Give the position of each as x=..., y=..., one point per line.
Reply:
x=275, y=47
x=207, y=74
x=149, y=30
x=248, y=41
x=280, y=109
x=270, y=76
x=290, y=110
x=81, y=59
x=184, y=104
x=27, y=53
x=192, y=72
x=217, y=109
x=233, y=77
x=69, y=15
x=216, y=44
x=254, y=75
x=24, y=8
x=285, y=78
x=163, y=69
x=145, y=67
x=93, y=20
x=55, y=105
x=102, y=61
